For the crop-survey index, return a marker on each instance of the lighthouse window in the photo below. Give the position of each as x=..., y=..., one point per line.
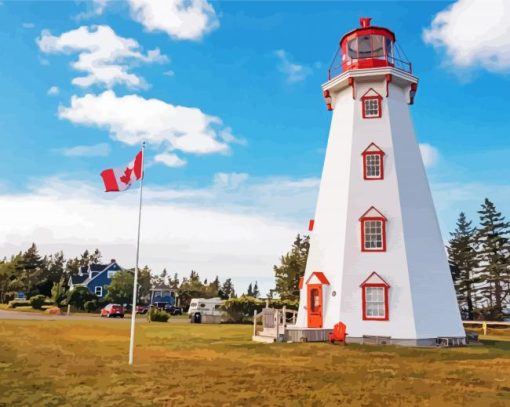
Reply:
x=373, y=235
x=373, y=166
x=375, y=305
x=371, y=107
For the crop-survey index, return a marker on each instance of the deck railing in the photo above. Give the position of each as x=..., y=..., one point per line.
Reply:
x=274, y=319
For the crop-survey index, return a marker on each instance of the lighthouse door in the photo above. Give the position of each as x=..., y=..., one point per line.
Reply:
x=314, y=306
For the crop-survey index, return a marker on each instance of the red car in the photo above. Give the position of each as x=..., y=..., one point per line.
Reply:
x=112, y=311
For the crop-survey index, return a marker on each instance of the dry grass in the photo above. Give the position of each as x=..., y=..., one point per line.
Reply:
x=83, y=363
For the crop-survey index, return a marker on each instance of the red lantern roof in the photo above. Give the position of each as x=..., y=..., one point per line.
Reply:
x=368, y=47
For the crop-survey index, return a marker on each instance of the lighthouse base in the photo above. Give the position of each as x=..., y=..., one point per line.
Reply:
x=422, y=342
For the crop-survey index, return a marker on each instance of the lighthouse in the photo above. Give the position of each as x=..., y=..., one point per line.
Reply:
x=377, y=261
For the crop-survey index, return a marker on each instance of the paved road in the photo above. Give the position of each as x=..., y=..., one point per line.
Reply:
x=35, y=316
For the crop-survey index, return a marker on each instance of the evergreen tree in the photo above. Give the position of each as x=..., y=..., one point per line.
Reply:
x=249, y=293
x=227, y=289
x=256, y=291
x=463, y=263
x=31, y=267
x=174, y=282
x=213, y=288
x=494, y=260
x=292, y=267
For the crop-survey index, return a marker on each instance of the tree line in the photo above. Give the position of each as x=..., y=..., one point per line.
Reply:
x=48, y=276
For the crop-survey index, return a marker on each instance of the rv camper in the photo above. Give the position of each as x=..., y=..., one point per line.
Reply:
x=206, y=310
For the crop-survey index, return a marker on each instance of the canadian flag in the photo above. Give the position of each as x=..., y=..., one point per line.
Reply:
x=120, y=179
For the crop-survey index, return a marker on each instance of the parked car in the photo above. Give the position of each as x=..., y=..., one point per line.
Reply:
x=173, y=310
x=142, y=309
x=113, y=311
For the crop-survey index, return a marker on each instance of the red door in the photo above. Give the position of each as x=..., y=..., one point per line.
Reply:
x=314, y=306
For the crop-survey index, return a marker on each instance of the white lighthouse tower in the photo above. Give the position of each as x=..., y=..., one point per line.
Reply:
x=377, y=260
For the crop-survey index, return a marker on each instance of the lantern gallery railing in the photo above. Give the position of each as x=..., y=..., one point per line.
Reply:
x=338, y=66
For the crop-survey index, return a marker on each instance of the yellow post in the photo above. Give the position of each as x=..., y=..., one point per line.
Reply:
x=484, y=327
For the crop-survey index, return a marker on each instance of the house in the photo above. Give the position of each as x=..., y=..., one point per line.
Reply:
x=162, y=294
x=96, y=277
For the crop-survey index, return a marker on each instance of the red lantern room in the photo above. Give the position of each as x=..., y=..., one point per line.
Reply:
x=368, y=47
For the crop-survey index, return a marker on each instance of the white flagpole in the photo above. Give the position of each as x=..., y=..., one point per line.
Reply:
x=135, y=283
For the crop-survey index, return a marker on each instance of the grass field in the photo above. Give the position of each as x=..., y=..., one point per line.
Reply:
x=84, y=363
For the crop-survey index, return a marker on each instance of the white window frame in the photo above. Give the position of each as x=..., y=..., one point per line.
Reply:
x=111, y=273
x=373, y=166
x=100, y=289
x=375, y=302
x=377, y=237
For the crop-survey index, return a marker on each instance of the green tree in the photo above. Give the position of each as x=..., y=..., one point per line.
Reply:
x=292, y=267
x=79, y=296
x=256, y=291
x=144, y=284
x=494, y=260
x=121, y=288
x=227, y=290
x=190, y=288
x=249, y=292
x=463, y=260
x=31, y=268
x=58, y=291
x=7, y=275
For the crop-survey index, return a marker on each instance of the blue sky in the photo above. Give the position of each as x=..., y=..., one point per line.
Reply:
x=251, y=72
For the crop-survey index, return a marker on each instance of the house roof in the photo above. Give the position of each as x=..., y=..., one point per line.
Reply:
x=374, y=278
x=320, y=276
x=98, y=267
x=77, y=279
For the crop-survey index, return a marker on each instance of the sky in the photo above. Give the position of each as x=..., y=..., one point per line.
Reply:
x=227, y=96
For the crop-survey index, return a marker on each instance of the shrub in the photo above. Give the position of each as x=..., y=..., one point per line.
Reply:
x=91, y=306
x=242, y=308
x=18, y=303
x=158, y=316
x=79, y=296
x=37, y=301
x=239, y=309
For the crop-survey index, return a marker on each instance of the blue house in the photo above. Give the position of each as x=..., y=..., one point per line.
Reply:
x=96, y=277
x=162, y=294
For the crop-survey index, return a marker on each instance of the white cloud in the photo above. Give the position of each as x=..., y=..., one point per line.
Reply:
x=473, y=33
x=180, y=19
x=170, y=160
x=216, y=230
x=95, y=8
x=28, y=25
x=96, y=150
x=53, y=91
x=132, y=119
x=293, y=71
x=230, y=180
x=169, y=73
x=429, y=154
x=103, y=55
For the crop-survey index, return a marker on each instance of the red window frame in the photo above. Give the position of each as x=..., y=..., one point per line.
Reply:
x=365, y=98
x=383, y=221
x=365, y=154
x=366, y=317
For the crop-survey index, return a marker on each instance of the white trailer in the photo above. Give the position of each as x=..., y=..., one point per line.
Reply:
x=206, y=310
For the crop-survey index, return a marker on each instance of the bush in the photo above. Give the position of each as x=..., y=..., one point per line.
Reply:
x=18, y=303
x=241, y=309
x=158, y=316
x=37, y=301
x=79, y=296
x=91, y=306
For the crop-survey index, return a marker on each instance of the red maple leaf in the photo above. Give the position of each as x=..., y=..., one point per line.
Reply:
x=126, y=178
